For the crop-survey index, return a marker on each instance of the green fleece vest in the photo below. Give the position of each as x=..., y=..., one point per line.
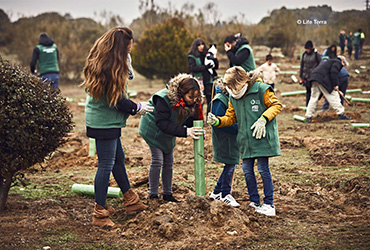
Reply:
x=98, y=114
x=199, y=75
x=249, y=64
x=48, y=59
x=248, y=109
x=149, y=131
x=225, y=147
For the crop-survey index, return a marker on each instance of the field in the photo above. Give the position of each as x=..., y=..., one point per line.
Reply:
x=321, y=183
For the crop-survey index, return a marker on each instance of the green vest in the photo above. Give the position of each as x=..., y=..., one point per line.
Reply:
x=248, y=109
x=149, y=131
x=356, y=38
x=199, y=75
x=249, y=64
x=225, y=147
x=98, y=114
x=48, y=59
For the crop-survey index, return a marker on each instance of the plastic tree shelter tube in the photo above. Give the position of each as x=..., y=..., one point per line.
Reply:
x=200, y=187
x=113, y=192
x=299, y=118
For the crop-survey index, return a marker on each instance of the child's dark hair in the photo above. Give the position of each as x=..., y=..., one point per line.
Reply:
x=268, y=57
x=185, y=86
x=229, y=39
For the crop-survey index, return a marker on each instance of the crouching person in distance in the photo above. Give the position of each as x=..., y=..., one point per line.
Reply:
x=176, y=106
x=225, y=147
x=107, y=108
x=254, y=105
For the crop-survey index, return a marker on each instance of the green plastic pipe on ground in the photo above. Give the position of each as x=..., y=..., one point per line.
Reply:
x=355, y=99
x=91, y=147
x=354, y=91
x=303, y=108
x=300, y=92
x=299, y=118
x=200, y=187
x=360, y=125
x=288, y=72
x=113, y=192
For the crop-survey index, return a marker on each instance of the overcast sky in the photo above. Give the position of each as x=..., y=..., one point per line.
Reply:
x=254, y=10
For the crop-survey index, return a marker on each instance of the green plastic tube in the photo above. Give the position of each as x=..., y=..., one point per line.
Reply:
x=300, y=92
x=355, y=99
x=200, y=187
x=354, y=91
x=303, y=108
x=91, y=147
x=113, y=192
x=299, y=118
x=288, y=72
x=360, y=125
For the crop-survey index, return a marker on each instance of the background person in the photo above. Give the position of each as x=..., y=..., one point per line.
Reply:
x=47, y=55
x=269, y=71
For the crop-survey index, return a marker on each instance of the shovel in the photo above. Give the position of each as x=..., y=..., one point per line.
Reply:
x=345, y=99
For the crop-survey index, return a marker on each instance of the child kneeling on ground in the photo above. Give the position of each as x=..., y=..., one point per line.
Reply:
x=254, y=105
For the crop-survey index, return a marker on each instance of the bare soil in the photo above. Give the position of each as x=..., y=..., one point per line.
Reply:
x=321, y=183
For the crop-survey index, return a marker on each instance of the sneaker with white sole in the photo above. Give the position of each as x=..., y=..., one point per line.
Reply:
x=253, y=204
x=214, y=196
x=265, y=209
x=228, y=199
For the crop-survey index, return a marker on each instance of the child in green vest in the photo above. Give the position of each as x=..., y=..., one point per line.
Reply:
x=175, y=109
x=225, y=148
x=254, y=105
x=106, y=72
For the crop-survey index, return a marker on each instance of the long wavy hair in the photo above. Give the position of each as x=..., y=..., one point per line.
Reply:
x=106, y=69
x=194, y=47
x=185, y=86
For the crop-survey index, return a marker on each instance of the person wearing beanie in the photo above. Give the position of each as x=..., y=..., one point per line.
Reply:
x=255, y=106
x=325, y=80
x=309, y=61
x=47, y=55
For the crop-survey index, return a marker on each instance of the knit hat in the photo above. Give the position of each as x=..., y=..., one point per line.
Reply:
x=342, y=58
x=308, y=45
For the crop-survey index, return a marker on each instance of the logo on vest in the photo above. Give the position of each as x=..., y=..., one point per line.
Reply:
x=255, y=102
x=255, y=108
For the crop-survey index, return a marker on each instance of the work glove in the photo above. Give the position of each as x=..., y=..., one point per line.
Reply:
x=212, y=120
x=194, y=132
x=144, y=108
x=259, y=128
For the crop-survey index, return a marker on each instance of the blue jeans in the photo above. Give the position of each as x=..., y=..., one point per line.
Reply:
x=52, y=79
x=343, y=84
x=357, y=50
x=250, y=178
x=111, y=158
x=223, y=183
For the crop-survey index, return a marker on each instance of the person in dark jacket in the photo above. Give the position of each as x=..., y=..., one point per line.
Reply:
x=225, y=148
x=309, y=61
x=331, y=51
x=239, y=52
x=196, y=58
x=324, y=79
x=342, y=41
x=47, y=55
x=349, y=40
x=175, y=109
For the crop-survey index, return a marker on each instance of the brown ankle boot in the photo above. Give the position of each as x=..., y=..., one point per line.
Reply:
x=132, y=203
x=101, y=216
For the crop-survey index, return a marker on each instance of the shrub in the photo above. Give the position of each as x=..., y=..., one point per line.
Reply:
x=34, y=121
x=162, y=50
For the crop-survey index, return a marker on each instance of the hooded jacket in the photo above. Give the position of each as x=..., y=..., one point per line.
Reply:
x=242, y=55
x=308, y=63
x=161, y=127
x=326, y=74
x=46, y=52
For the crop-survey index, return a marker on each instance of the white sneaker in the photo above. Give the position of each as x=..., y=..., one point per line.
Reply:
x=253, y=204
x=214, y=196
x=228, y=199
x=265, y=209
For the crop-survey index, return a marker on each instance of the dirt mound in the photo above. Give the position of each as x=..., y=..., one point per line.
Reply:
x=194, y=223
